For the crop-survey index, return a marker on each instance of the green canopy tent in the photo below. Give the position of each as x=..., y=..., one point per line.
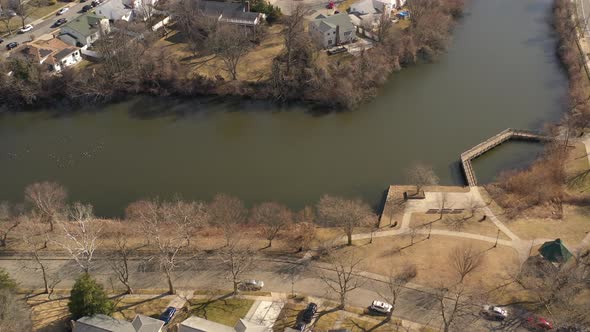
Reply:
x=555, y=251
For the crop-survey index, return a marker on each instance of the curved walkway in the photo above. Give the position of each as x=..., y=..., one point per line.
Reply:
x=458, y=200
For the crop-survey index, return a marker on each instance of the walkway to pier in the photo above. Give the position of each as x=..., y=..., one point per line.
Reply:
x=492, y=142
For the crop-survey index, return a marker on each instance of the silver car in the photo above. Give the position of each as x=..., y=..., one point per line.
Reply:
x=251, y=285
x=493, y=312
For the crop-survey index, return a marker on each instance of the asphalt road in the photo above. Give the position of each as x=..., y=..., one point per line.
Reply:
x=46, y=26
x=413, y=304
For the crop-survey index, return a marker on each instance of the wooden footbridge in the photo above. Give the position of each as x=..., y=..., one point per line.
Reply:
x=492, y=142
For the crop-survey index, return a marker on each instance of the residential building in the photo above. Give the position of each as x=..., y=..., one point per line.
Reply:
x=329, y=31
x=103, y=323
x=53, y=53
x=84, y=30
x=114, y=10
x=230, y=12
x=197, y=324
x=143, y=323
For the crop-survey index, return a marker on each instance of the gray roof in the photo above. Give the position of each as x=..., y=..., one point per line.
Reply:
x=86, y=24
x=64, y=53
x=143, y=323
x=246, y=326
x=216, y=8
x=365, y=6
x=102, y=323
x=196, y=324
x=330, y=22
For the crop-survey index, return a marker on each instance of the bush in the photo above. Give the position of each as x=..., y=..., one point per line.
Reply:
x=88, y=298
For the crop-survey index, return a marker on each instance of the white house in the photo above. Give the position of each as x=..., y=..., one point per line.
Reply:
x=103, y=323
x=196, y=324
x=54, y=53
x=114, y=10
x=84, y=30
x=332, y=30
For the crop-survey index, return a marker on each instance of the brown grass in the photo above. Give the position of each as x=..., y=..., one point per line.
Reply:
x=431, y=258
x=48, y=315
x=470, y=224
x=129, y=306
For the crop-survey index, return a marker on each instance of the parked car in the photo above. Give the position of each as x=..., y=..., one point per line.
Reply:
x=86, y=8
x=11, y=13
x=381, y=307
x=330, y=5
x=336, y=50
x=300, y=326
x=167, y=315
x=1, y=40
x=26, y=28
x=59, y=22
x=12, y=45
x=309, y=312
x=538, y=323
x=62, y=11
x=251, y=285
x=493, y=312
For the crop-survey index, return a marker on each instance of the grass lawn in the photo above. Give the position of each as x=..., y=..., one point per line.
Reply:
x=42, y=11
x=15, y=24
x=223, y=311
x=432, y=259
x=48, y=315
x=254, y=66
x=579, y=181
x=469, y=225
x=129, y=306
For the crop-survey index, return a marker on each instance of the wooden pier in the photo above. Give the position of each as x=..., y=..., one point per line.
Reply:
x=492, y=142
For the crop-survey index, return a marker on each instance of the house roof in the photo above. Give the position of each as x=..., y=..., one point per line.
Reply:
x=102, y=323
x=331, y=22
x=555, y=251
x=114, y=10
x=143, y=323
x=45, y=51
x=193, y=324
x=246, y=326
x=86, y=25
x=364, y=7
x=228, y=11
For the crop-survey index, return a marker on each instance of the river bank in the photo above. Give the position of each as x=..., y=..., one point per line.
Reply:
x=328, y=83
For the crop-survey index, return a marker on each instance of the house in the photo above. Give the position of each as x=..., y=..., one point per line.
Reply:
x=196, y=324
x=103, y=323
x=114, y=10
x=84, y=30
x=366, y=13
x=143, y=323
x=230, y=12
x=54, y=53
x=332, y=30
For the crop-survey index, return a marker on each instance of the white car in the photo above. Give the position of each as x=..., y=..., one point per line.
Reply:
x=381, y=307
x=493, y=312
x=62, y=11
x=251, y=285
x=26, y=28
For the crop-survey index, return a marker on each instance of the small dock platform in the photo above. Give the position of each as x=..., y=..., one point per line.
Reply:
x=492, y=142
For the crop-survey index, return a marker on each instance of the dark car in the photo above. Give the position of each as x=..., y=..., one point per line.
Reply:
x=300, y=326
x=1, y=40
x=12, y=45
x=59, y=22
x=94, y=3
x=167, y=315
x=86, y=8
x=307, y=316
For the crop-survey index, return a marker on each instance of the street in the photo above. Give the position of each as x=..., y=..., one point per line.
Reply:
x=414, y=305
x=43, y=27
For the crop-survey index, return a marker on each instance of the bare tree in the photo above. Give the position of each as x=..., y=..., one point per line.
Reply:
x=395, y=283
x=237, y=262
x=192, y=216
x=168, y=237
x=192, y=23
x=343, y=277
x=344, y=213
x=48, y=200
x=24, y=8
x=421, y=175
x=453, y=307
x=294, y=29
x=442, y=201
x=231, y=43
x=80, y=235
x=10, y=218
x=5, y=17
x=273, y=217
x=119, y=260
x=464, y=260
x=34, y=241
x=228, y=213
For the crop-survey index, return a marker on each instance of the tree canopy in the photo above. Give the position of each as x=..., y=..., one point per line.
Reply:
x=88, y=298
